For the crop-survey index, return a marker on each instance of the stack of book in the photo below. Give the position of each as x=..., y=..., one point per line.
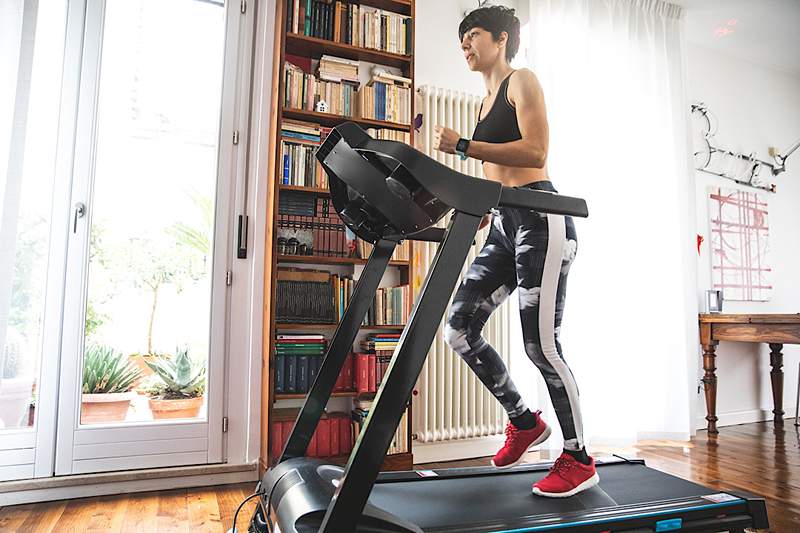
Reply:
x=339, y=69
x=359, y=415
x=350, y=23
x=371, y=364
x=401, y=253
x=302, y=90
x=298, y=359
x=305, y=297
x=391, y=306
x=386, y=97
x=299, y=142
x=334, y=435
x=390, y=135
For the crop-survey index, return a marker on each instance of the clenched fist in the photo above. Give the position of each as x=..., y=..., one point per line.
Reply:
x=445, y=139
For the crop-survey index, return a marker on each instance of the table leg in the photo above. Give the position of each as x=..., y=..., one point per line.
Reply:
x=710, y=386
x=776, y=361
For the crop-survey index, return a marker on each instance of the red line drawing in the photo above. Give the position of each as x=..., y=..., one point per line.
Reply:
x=739, y=231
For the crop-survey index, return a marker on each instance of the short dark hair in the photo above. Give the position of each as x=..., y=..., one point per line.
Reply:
x=494, y=19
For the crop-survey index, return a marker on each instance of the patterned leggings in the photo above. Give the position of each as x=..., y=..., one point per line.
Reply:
x=532, y=252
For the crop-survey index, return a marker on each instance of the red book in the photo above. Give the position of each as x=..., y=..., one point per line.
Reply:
x=334, y=429
x=276, y=441
x=348, y=372
x=324, y=438
x=371, y=371
x=362, y=373
x=298, y=61
x=286, y=430
x=345, y=436
x=311, y=451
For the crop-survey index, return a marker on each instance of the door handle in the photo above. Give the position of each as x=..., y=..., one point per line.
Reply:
x=80, y=212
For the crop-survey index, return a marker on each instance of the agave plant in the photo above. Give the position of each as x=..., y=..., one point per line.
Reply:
x=180, y=377
x=107, y=371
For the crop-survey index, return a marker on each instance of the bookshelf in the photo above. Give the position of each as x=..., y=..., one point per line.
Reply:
x=275, y=405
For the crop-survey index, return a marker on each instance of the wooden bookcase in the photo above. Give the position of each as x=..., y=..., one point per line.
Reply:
x=312, y=47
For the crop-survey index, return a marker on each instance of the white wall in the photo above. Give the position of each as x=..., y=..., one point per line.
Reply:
x=756, y=107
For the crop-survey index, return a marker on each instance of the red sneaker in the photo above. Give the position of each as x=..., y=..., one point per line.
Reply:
x=567, y=477
x=519, y=441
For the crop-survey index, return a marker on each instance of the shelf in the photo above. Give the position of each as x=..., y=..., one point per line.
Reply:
x=302, y=395
x=300, y=188
x=398, y=6
x=322, y=260
x=279, y=325
x=327, y=119
x=306, y=46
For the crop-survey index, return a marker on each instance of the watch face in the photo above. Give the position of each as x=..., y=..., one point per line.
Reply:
x=461, y=145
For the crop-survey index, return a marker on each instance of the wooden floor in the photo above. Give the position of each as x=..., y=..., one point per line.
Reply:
x=758, y=458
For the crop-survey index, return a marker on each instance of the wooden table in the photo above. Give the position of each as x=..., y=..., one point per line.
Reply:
x=775, y=330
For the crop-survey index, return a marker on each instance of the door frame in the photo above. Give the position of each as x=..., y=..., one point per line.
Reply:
x=85, y=66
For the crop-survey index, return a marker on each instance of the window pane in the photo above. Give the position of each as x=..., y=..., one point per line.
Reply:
x=149, y=293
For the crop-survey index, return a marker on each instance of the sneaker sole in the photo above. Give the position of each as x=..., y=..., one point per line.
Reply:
x=589, y=483
x=543, y=437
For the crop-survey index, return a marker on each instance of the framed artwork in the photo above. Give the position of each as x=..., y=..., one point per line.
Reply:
x=739, y=230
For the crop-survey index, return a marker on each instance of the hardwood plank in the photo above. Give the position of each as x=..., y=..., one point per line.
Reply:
x=109, y=514
x=172, y=514
x=203, y=508
x=43, y=518
x=141, y=513
x=11, y=518
x=76, y=515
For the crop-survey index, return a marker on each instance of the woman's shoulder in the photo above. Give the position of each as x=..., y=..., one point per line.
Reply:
x=522, y=81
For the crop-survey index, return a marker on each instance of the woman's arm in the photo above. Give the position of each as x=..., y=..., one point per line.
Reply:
x=530, y=151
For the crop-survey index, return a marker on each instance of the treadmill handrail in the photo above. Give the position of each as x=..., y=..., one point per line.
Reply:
x=543, y=201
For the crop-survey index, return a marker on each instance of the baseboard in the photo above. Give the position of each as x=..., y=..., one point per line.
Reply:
x=86, y=485
x=434, y=452
x=742, y=417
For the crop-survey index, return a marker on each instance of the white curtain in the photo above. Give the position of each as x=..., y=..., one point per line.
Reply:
x=612, y=73
x=17, y=30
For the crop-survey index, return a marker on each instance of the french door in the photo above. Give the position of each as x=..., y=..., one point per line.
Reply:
x=126, y=357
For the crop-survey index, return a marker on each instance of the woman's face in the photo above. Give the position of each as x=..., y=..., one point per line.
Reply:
x=480, y=49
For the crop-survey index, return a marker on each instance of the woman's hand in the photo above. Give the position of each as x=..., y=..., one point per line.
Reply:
x=445, y=139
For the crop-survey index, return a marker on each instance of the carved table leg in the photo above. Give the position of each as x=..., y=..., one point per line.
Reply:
x=710, y=386
x=776, y=361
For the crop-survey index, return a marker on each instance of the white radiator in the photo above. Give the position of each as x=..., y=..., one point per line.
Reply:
x=451, y=403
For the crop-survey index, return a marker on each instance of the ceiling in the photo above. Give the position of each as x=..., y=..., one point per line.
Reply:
x=766, y=32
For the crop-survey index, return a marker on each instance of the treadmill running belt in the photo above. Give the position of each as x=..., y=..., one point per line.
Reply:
x=435, y=502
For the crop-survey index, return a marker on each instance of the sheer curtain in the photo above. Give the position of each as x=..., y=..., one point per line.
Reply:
x=612, y=73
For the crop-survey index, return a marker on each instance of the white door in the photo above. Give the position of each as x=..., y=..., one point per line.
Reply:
x=152, y=199
x=31, y=241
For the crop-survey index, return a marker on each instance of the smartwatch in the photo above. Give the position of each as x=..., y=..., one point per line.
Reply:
x=461, y=148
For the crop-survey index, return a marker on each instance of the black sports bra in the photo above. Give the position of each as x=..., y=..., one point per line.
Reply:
x=500, y=124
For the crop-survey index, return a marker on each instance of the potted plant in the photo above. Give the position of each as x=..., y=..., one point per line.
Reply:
x=108, y=378
x=179, y=388
x=15, y=388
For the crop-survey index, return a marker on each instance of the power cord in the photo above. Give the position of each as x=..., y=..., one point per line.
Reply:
x=236, y=514
x=258, y=492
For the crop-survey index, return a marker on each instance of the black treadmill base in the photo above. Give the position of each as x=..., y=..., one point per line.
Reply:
x=630, y=497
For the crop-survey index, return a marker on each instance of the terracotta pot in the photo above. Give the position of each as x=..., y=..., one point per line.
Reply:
x=99, y=408
x=188, y=408
x=138, y=361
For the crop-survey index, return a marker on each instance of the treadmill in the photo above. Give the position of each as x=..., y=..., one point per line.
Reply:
x=386, y=191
